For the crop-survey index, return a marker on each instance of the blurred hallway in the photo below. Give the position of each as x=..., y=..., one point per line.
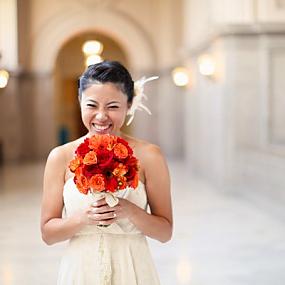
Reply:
x=219, y=238
x=226, y=120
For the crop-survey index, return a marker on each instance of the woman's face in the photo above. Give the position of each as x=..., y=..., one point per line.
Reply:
x=103, y=108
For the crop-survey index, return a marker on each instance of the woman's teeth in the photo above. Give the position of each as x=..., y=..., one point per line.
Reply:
x=100, y=127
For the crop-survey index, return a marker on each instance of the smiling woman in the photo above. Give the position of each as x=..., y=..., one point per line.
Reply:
x=103, y=108
x=117, y=254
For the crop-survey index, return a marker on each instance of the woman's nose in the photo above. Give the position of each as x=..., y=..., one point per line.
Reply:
x=101, y=116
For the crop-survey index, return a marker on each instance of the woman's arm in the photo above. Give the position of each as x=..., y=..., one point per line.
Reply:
x=53, y=227
x=158, y=224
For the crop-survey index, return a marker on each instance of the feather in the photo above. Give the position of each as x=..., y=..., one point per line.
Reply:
x=138, y=98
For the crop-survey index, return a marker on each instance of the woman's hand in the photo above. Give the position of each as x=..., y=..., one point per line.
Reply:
x=98, y=213
x=124, y=209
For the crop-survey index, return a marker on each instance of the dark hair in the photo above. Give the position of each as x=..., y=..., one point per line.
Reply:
x=107, y=71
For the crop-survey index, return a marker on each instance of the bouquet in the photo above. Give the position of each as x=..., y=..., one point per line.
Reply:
x=103, y=165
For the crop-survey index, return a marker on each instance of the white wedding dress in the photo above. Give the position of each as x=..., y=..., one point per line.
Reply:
x=116, y=255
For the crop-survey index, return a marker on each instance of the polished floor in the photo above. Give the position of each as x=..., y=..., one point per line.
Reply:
x=219, y=238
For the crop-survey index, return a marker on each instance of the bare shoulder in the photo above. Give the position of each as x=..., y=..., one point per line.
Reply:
x=60, y=156
x=150, y=156
x=60, y=153
x=144, y=149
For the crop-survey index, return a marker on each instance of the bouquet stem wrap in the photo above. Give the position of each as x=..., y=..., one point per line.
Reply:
x=110, y=198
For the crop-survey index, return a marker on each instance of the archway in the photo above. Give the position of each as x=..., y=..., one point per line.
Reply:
x=64, y=26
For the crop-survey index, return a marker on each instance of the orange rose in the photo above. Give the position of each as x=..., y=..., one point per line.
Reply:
x=120, y=170
x=94, y=142
x=81, y=183
x=97, y=182
x=120, y=151
x=74, y=164
x=103, y=141
x=90, y=158
x=109, y=141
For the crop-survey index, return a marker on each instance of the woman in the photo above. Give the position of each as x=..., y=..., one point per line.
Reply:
x=117, y=254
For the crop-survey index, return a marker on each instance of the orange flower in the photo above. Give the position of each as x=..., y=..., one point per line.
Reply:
x=81, y=183
x=104, y=141
x=120, y=151
x=120, y=170
x=122, y=182
x=135, y=182
x=97, y=182
x=90, y=158
x=74, y=164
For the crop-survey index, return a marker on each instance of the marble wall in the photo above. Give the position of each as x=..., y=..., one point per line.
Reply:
x=235, y=131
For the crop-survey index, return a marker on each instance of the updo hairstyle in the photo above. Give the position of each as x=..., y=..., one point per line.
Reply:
x=105, y=72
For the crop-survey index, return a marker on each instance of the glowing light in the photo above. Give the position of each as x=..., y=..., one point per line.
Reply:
x=207, y=65
x=183, y=271
x=93, y=59
x=7, y=274
x=180, y=76
x=92, y=47
x=4, y=77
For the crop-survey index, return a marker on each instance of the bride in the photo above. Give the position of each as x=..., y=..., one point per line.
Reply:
x=117, y=254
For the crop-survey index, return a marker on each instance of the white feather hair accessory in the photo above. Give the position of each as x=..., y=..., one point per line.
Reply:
x=138, y=98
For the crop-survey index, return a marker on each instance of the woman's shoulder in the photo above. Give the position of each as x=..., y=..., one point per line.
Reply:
x=64, y=152
x=60, y=156
x=145, y=150
x=152, y=161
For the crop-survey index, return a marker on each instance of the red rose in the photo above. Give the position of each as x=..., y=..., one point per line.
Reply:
x=90, y=170
x=111, y=184
x=131, y=162
x=104, y=158
x=131, y=173
x=83, y=148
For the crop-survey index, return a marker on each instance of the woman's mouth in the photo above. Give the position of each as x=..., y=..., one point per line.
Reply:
x=102, y=129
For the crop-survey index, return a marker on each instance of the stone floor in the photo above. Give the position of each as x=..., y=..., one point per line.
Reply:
x=219, y=238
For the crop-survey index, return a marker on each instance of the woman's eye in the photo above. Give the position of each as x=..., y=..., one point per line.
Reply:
x=113, y=107
x=91, y=105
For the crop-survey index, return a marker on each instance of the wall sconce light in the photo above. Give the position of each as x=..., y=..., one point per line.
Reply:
x=207, y=65
x=4, y=77
x=92, y=47
x=180, y=76
x=92, y=51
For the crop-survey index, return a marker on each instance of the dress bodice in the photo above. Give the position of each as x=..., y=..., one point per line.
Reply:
x=75, y=201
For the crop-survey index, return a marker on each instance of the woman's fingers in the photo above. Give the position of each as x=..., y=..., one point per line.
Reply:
x=99, y=203
x=100, y=210
x=106, y=222
x=101, y=217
